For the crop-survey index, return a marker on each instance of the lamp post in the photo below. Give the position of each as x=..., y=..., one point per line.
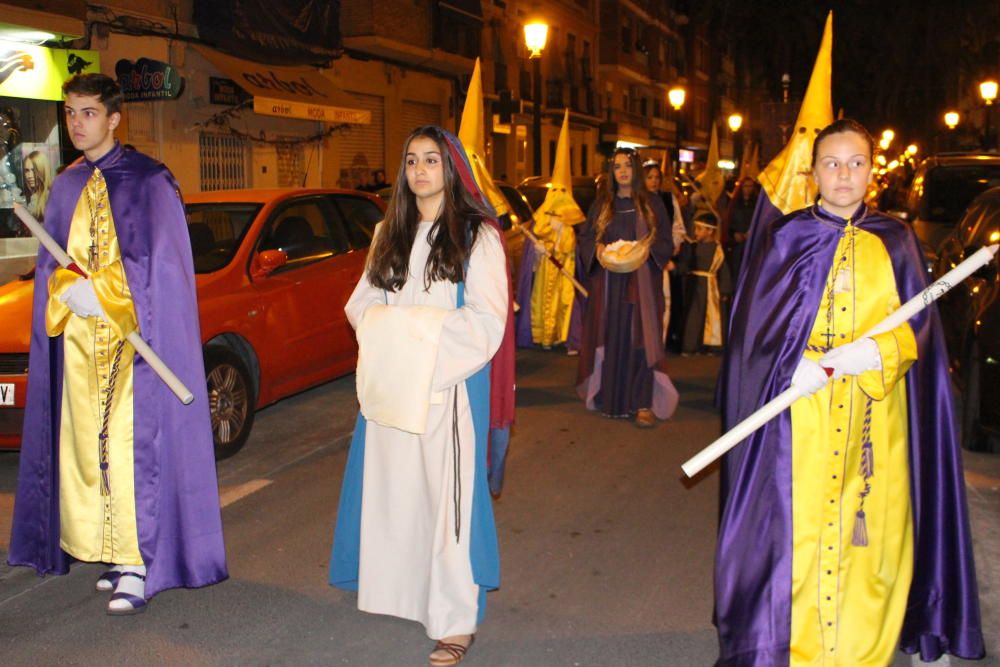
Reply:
x=735, y=123
x=535, y=35
x=988, y=91
x=676, y=97
x=951, y=119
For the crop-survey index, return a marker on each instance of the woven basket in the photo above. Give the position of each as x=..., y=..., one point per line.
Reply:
x=625, y=256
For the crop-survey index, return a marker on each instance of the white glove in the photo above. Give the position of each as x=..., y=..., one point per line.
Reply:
x=853, y=359
x=82, y=300
x=809, y=376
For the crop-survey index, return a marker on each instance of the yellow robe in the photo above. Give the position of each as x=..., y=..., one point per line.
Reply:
x=552, y=292
x=848, y=601
x=97, y=511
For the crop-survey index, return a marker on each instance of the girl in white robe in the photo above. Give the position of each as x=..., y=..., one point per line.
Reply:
x=430, y=312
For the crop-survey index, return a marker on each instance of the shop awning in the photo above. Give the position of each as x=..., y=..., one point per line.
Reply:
x=290, y=92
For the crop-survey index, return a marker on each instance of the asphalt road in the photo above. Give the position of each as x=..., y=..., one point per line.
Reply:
x=606, y=551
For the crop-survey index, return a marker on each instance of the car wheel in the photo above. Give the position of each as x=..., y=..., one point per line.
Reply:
x=230, y=400
x=972, y=438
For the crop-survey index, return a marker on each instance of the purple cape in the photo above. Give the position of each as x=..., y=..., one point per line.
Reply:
x=176, y=491
x=773, y=312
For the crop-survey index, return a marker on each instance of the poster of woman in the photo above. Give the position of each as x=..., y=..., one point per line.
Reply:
x=38, y=169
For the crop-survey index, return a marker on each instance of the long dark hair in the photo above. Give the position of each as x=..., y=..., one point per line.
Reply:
x=609, y=190
x=451, y=236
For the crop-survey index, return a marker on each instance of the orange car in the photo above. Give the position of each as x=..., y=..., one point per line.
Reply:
x=274, y=269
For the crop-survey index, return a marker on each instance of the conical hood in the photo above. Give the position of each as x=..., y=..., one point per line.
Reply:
x=471, y=134
x=787, y=179
x=559, y=199
x=711, y=180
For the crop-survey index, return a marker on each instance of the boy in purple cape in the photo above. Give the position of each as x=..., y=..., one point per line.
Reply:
x=844, y=532
x=114, y=468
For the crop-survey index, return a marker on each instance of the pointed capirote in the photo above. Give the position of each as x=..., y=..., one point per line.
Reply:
x=559, y=199
x=712, y=181
x=787, y=180
x=472, y=135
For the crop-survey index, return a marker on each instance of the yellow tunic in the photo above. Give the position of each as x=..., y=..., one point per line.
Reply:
x=848, y=601
x=552, y=292
x=97, y=511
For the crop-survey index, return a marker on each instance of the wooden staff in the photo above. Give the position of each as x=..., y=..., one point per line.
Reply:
x=559, y=265
x=776, y=406
x=141, y=347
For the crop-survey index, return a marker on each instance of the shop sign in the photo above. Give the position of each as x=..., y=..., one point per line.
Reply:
x=38, y=73
x=147, y=79
x=225, y=91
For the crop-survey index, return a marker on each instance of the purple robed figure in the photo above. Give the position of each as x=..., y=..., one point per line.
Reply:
x=780, y=289
x=621, y=359
x=176, y=491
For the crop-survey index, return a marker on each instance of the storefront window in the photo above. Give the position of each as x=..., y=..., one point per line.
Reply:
x=30, y=158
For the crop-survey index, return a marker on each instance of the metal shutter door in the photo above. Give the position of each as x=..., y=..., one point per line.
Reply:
x=415, y=114
x=362, y=147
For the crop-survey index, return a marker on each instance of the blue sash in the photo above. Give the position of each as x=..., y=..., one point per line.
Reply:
x=484, y=550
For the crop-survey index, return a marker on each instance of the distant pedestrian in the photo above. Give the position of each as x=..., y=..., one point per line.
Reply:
x=736, y=222
x=707, y=286
x=379, y=182
x=415, y=534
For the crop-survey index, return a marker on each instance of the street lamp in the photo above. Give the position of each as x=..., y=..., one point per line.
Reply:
x=676, y=97
x=988, y=91
x=535, y=35
x=951, y=119
x=735, y=123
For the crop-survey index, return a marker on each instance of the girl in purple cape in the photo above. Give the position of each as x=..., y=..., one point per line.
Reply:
x=850, y=504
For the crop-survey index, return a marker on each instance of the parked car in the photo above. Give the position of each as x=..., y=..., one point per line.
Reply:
x=534, y=189
x=942, y=188
x=274, y=269
x=970, y=314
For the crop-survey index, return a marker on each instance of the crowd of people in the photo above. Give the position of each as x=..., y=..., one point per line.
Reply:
x=851, y=503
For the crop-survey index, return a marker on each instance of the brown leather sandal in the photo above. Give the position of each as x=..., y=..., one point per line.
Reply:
x=456, y=652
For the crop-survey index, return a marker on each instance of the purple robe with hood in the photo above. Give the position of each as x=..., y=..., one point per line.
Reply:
x=781, y=284
x=176, y=491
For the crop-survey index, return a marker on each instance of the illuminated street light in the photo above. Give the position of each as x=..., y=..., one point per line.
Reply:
x=880, y=159
x=951, y=119
x=883, y=143
x=888, y=135
x=676, y=96
x=911, y=150
x=535, y=36
x=735, y=122
x=988, y=91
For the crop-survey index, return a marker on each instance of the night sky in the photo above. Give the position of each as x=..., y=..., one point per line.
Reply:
x=895, y=64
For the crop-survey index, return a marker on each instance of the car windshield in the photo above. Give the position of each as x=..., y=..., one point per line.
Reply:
x=948, y=191
x=216, y=231
x=520, y=209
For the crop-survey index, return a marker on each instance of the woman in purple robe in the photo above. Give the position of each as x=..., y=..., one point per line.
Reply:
x=624, y=246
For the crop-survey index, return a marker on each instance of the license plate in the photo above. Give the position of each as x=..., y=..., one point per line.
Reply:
x=6, y=393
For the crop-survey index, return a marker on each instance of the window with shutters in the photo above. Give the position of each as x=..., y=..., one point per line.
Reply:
x=223, y=160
